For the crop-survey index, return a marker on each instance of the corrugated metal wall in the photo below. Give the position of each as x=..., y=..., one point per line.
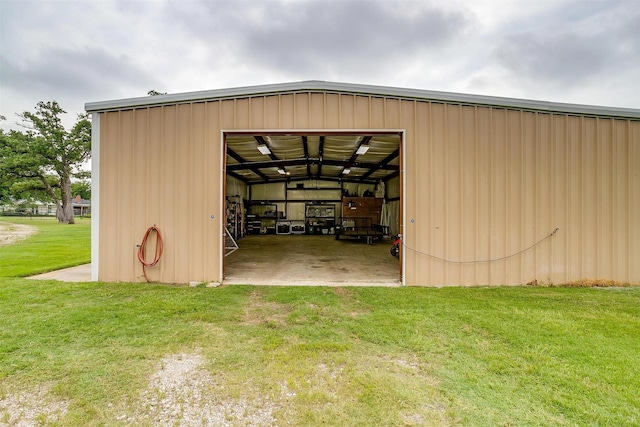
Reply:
x=481, y=184
x=487, y=183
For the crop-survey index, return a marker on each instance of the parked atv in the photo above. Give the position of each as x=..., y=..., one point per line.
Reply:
x=395, y=249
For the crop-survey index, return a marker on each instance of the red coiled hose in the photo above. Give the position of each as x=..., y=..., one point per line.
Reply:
x=142, y=250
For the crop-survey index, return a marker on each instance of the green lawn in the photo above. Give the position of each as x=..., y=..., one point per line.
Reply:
x=54, y=246
x=518, y=356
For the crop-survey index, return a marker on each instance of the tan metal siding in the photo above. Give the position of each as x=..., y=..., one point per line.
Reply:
x=272, y=112
x=332, y=111
x=158, y=172
x=482, y=183
x=500, y=180
x=213, y=242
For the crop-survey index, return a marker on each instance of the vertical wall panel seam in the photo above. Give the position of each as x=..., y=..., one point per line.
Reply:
x=476, y=201
x=613, y=252
x=523, y=194
x=505, y=231
x=461, y=191
x=403, y=176
x=445, y=198
x=630, y=186
x=632, y=143
x=279, y=112
x=596, y=209
x=173, y=188
x=190, y=181
x=131, y=196
x=309, y=121
x=324, y=110
x=222, y=243
x=203, y=163
x=569, y=257
x=119, y=173
x=146, y=202
x=431, y=190
x=492, y=153
x=340, y=110
x=552, y=167
x=534, y=217
x=385, y=111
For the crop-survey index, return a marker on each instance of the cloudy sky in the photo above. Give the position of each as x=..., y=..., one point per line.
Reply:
x=575, y=51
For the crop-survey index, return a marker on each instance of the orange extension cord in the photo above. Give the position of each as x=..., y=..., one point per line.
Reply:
x=143, y=248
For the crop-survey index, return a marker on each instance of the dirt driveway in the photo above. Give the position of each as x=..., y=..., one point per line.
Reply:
x=11, y=233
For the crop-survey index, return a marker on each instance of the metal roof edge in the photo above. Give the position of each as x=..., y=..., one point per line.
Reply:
x=369, y=90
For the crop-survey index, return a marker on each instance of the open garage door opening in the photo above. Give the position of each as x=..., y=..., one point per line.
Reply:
x=312, y=207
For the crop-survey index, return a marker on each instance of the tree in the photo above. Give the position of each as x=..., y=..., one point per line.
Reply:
x=82, y=189
x=47, y=148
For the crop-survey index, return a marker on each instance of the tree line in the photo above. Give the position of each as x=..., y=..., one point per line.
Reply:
x=44, y=162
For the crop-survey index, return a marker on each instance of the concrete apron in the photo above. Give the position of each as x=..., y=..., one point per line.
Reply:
x=291, y=260
x=302, y=260
x=81, y=273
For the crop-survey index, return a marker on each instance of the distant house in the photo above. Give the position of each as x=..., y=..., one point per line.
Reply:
x=81, y=206
x=24, y=207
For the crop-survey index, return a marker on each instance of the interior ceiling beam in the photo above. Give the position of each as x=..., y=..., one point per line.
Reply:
x=320, y=153
x=272, y=164
x=240, y=177
x=261, y=141
x=383, y=164
x=362, y=165
x=329, y=179
x=261, y=175
x=391, y=176
x=237, y=157
x=311, y=161
x=305, y=147
x=242, y=161
x=365, y=141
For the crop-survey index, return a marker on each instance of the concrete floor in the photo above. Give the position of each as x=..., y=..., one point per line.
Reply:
x=311, y=260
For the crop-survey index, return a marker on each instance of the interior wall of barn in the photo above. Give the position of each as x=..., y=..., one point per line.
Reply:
x=482, y=185
x=391, y=208
x=291, y=197
x=236, y=188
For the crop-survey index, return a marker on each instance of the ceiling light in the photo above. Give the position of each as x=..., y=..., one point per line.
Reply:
x=282, y=171
x=264, y=149
x=362, y=149
x=346, y=171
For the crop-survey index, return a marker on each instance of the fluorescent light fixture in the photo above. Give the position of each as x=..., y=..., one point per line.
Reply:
x=283, y=172
x=362, y=149
x=346, y=171
x=264, y=149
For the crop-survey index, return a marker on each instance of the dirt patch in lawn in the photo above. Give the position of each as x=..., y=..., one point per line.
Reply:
x=260, y=312
x=12, y=233
x=29, y=408
x=183, y=393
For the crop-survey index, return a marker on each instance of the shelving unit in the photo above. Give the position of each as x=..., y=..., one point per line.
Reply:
x=320, y=218
x=261, y=218
x=235, y=217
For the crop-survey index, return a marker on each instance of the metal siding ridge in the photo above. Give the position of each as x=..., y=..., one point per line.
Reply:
x=359, y=89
